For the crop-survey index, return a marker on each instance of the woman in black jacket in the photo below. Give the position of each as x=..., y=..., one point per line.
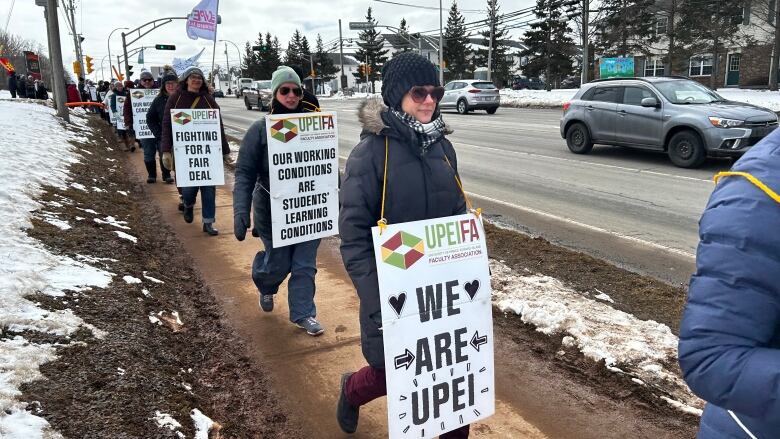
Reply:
x=406, y=137
x=154, y=116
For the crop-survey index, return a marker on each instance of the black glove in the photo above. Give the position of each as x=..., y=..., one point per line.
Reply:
x=240, y=225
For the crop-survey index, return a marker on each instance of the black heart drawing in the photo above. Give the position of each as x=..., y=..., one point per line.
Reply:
x=397, y=303
x=472, y=288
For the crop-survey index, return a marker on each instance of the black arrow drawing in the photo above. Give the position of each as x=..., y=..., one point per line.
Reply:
x=404, y=360
x=476, y=341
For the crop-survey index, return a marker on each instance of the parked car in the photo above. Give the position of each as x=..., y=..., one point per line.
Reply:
x=219, y=93
x=526, y=83
x=571, y=82
x=258, y=96
x=465, y=95
x=673, y=114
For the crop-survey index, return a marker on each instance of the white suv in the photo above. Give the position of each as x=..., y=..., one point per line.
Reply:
x=465, y=95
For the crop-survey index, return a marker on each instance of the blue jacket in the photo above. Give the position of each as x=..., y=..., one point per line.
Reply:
x=730, y=333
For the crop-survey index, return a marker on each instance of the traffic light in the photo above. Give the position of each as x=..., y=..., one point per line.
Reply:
x=362, y=69
x=77, y=68
x=165, y=47
x=90, y=69
x=129, y=71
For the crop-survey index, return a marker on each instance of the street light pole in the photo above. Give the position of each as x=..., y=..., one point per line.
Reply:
x=441, y=46
x=108, y=43
x=343, y=78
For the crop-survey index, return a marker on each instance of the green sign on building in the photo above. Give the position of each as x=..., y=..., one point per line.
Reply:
x=616, y=67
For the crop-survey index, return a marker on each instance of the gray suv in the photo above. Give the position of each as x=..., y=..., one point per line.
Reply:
x=465, y=95
x=673, y=114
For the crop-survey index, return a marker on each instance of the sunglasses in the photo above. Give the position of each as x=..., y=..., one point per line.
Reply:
x=296, y=91
x=147, y=80
x=420, y=93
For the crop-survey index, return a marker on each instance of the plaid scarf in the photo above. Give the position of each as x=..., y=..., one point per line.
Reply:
x=427, y=133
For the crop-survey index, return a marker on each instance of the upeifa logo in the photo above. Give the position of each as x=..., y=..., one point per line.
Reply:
x=403, y=250
x=138, y=94
x=182, y=118
x=284, y=131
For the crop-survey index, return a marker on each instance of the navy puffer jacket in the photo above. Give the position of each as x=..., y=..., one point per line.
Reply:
x=419, y=186
x=730, y=332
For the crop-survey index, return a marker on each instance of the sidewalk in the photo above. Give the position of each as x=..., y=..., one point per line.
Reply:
x=306, y=369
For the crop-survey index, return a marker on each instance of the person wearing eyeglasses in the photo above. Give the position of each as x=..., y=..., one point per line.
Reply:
x=193, y=93
x=271, y=266
x=404, y=134
x=149, y=146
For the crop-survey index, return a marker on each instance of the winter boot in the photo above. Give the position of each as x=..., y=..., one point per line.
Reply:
x=189, y=215
x=209, y=228
x=166, y=173
x=346, y=414
x=151, y=169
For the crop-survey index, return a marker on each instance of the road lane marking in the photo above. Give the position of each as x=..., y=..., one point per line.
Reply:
x=603, y=165
x=665, y=248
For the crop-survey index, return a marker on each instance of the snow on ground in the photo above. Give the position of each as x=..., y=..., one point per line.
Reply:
x=124, y=235
x=640, y=348
x=203, y=424
x=35, y=141
x=556, y=98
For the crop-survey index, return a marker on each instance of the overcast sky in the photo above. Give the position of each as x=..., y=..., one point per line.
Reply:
x=241, y=21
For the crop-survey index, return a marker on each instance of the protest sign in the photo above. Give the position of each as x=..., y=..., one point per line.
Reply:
x=437, y=325
x=111, y=116
x=102, y=96
x=303, y=167
x=120, y=113
x=197, y=147
x=140, y=101
x=93, y=92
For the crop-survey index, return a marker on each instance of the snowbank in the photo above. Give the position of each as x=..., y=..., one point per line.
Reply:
x=36, y=151
x=639, y=348
x=556, y=98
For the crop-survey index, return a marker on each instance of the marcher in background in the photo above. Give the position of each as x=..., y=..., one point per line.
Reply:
x=40, y=90
x=730, y=333
x=107, y=102
x=21, y=86
x=72, y=91
x=30, y=87
x=193, y=93
x=405, y=142
x=124, y=135
x=12, y=83
x=154, y=120
x=149, y=146
x=271, y=266
x=83, y=90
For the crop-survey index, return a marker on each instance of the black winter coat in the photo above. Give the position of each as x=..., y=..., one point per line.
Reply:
x=154, y=117
x=250, y=190
x=419, y=186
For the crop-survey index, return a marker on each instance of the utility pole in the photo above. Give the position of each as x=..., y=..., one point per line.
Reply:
x=547, y=72
x=441, y=46
x=773, y=68
x=71, y=19
x=492, y=19
x=53, y=27
x=311, y=73
x=343, y=78
x=127, y=60
x=51, y=57
x=227, y=61
x=585, y=42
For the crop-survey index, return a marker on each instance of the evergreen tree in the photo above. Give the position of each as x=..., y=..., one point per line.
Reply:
x=293, y=55
x=370, y=50
x=250, y=65
x=627, y=27
x=501, y=65
x=323, y=64
x=714, y=25
x=273, y=56
x=550, y=49
x=404, y=38
x=456, y=46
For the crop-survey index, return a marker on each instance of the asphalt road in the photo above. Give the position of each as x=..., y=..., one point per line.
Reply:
x=629, y=207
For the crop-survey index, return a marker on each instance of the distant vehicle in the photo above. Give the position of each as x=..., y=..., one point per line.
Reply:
x=526, y=83
x=673, y=114
x=465, y=95
x=219, y=93
x=258, y=96
x=241, y=85
x=571, y=82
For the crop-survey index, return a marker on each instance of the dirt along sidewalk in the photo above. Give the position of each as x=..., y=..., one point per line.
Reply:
x=541, y=394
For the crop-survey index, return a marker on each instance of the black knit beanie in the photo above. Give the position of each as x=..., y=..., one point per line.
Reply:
x=404, y=72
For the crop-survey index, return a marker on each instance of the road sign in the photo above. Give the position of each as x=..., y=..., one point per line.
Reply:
x=360, y=25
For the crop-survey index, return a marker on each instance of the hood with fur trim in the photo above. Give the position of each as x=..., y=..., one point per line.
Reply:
x=370, y=114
